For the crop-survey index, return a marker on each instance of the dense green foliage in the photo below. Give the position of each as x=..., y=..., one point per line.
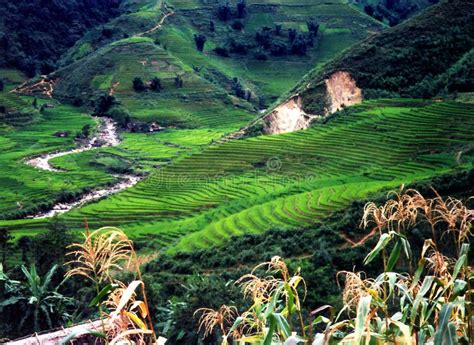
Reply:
x=393, y=12
x=415, y=64
x=158, y=40
x=34, y=34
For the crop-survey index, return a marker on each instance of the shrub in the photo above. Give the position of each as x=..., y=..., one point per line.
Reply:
x=223, y=12
x=200, y=40
x=237, y=25
x=241, y=4
x=221, y=51
x=155, y=84
x=138, y=84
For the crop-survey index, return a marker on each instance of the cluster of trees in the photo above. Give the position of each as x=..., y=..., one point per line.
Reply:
x=393, y=11
x=225, y=11
x=34, y=33
x=155, y=84
x=273, y=41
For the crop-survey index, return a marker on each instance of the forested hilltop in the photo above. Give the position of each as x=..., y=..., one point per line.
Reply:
x=34, y=34
x=248, y=171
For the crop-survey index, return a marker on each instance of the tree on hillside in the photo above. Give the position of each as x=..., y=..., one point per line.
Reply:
x=238, y=88
x=85, y=132
x=291, y=34
x=241, y=4
x=138, y=84
x=263, y=36
x=223, y=12
x=35, y=103
x=178, y=82
x=313, y=27
x=103, y=104
x=5, y=239
x=369, y=10
x=155, y=84
x=200, y=40
x=277, y=29
x=299, y=46
x=212, y=26
x=47, y=67
x=50, y=248
x=2, y=85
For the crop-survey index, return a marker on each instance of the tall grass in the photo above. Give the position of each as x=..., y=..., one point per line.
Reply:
x=124, y=316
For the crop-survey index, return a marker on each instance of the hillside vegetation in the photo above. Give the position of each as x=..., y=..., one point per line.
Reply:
x=428, y=55
x=34, y=34
x=246, y=61
x=148, y=119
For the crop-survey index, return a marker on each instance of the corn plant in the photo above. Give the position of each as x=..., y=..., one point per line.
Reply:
x=276, y=304
x=103, y=253
x=415, y=300
x=433, y=303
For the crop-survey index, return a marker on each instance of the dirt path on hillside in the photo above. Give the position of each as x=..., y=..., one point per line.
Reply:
x=157, y=26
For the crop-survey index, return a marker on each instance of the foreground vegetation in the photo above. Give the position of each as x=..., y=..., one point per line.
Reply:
x=422, y=293
x=430, y=301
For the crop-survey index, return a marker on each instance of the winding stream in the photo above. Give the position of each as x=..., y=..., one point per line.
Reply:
x=106, y=136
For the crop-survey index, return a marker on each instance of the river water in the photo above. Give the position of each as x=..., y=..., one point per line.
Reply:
x=106, y=136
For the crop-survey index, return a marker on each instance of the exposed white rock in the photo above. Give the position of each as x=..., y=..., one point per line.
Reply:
x=341, y=91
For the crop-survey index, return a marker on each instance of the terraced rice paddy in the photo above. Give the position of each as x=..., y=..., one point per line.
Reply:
x=287, y=181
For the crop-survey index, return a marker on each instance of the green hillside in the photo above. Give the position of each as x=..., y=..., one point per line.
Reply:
x=288, y=181
x=160, y=43
x=418, y=59
x=220, y=134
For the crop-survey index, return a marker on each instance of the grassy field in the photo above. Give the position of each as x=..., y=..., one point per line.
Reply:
x=284, y=181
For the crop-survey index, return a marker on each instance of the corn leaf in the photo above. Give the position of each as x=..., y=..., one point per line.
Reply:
x=459, y=287
x=136, y=320
x=384, y=240
x=394, y=255
x=362, y=312
x=102, y=294
x=271, y=330
x=141, y=306
x=236, y=324
x=441, y=334
x=127, y=295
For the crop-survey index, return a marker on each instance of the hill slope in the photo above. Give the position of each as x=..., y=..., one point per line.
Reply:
x=427, y=55
x=246, y=62
x=287, y=181
x=34, y=34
